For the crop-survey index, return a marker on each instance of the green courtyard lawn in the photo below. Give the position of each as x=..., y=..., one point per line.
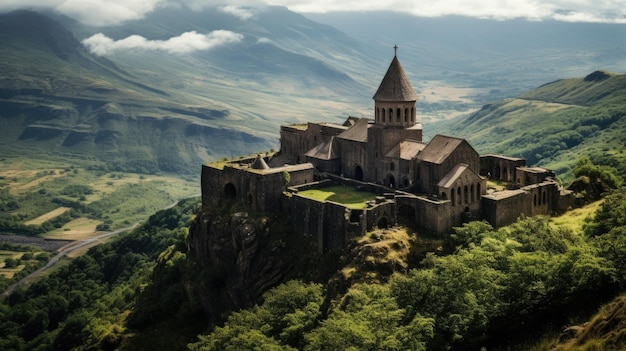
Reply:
x=345, y=195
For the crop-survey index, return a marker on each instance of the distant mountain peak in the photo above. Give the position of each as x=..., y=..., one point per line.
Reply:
x=29, y=27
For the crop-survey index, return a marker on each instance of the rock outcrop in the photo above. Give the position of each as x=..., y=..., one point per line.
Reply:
x=237, y=258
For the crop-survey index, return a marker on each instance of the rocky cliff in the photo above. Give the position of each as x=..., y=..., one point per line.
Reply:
x=237, y=256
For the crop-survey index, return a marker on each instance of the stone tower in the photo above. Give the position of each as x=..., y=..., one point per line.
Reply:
x=395, y=121
x=395, y=99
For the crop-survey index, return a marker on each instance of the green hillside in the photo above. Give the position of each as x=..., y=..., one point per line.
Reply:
x=556, y=124
x=59, y=101
x=155, y=112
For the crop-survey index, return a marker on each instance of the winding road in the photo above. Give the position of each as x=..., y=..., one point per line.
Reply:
x=65, y=250
x=73, y=246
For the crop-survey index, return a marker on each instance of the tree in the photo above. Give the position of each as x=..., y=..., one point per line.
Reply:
x=611, y=214
x=370, y=319
x=605, y=176
x=11, y=262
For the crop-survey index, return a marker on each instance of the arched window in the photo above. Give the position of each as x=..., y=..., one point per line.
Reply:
x=383, y=115
x=406, y=115
x=472, y=192
x=412, y=114
x=458, y=192
x=452, y=198
x=465, y=194
x=390, y=115
x=398, y=113
x=230, y=192
x=444, y=196
x=478, y=193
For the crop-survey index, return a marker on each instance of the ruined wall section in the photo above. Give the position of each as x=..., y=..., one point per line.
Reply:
x=503, y=168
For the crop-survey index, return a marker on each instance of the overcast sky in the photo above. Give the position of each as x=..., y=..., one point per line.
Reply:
x=103, y=13
x=111, y=12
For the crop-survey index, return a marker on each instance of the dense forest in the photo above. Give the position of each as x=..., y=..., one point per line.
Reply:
x=499, y=289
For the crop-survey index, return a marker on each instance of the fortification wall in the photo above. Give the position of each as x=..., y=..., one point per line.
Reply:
x=260, y=190
x=500, y=211
x=332, y=224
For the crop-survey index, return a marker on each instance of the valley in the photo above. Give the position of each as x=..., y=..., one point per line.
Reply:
x=97, y=145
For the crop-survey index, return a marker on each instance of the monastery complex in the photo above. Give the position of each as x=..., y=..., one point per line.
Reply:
x=432, y=186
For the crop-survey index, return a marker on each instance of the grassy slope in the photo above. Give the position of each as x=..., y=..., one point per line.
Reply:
x=556, y=124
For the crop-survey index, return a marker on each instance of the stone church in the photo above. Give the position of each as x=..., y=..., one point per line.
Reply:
x=437, y=185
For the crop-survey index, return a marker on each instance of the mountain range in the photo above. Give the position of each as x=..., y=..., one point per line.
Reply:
x=153, y=110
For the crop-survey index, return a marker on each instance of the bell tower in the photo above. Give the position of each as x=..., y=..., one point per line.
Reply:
x=395, y=100
x=395, y=121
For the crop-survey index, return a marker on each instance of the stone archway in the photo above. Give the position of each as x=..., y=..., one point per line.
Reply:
x=230, y=192
x=383, y=223
x=358, y=173
x=391, y=181
x=496, y=173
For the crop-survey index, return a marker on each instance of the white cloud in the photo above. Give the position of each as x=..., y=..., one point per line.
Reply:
x=612, y=11
x=100, y=44
x=237, y=11
x=109, y=12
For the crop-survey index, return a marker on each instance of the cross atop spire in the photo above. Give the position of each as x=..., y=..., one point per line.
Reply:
x=395, y=50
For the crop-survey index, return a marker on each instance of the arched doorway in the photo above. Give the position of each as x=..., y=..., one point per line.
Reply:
x=358, y=173
x=230, y=193
x=391, y=181
x=496, y=173
x=382, y=223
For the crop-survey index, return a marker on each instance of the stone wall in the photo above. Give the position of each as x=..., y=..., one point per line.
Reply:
x=332, y=224
x=498, y=167
x=261, y=190
x=505, y=207
x=429, y=174
x=297, y=139
x=353, y=154
x=533, y=175
x=502, y=208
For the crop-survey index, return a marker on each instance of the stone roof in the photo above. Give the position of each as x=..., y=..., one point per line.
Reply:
x=350, y=121
x=448, y=180
x=406, y=150
x=439, y=148
x=325, y=151
x=395, y=86
x=358, y=132
x=259, y=163
x=504, y=157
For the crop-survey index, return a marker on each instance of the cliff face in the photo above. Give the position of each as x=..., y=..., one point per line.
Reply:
x=236, y=258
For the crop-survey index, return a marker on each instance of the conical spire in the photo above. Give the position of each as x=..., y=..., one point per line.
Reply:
x=395, y=85
x=259, y=163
